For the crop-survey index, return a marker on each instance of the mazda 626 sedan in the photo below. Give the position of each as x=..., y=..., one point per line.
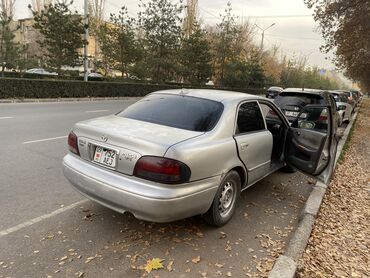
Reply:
x=179, y=153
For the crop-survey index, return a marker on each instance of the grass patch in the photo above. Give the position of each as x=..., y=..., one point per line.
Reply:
x=345, y=147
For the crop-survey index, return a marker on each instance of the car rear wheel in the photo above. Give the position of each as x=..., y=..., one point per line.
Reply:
x=225, y=201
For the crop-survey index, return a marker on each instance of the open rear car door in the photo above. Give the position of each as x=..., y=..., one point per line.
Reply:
x=311, y=143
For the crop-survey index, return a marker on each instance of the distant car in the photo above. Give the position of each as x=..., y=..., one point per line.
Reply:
x=41, y=71
x=343, y=107
x=272, y=92
x=95, y=76
x=356, y=95
x=179, y=153
x=350, y=97
x=292, y=100
x=210, y=83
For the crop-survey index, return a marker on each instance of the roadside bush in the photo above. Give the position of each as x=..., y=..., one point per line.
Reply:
x=42, y=88
x=10, y=74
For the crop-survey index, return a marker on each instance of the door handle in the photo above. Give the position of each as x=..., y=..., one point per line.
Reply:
x=244, y=146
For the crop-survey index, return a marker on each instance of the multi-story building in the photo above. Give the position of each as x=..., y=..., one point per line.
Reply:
x=27, y=36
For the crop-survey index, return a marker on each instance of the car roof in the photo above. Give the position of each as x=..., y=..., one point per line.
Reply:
x=275, y=88
x=323, y=93
x=304, y=90
x=337, y=92
x=216, y=95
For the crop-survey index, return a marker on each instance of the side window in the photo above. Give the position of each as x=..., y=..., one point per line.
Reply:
x=249, y=118
x=269, y=114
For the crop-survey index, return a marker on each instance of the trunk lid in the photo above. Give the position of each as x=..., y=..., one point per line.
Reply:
x=129, y=138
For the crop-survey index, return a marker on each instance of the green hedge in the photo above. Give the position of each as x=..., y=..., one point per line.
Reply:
x=36, y=88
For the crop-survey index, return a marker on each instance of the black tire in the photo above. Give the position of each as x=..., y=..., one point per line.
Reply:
x=221, y=211
x=288, y=169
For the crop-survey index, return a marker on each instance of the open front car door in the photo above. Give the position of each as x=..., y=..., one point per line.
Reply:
x=311, y=144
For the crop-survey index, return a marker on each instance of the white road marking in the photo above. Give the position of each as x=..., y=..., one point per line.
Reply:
x=46, y=139
x=40, y=218
x=3, y=118
x=96, y=111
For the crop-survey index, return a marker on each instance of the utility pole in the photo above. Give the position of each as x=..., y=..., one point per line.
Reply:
x=86, y=38
x=263, y=36
x=191, y=14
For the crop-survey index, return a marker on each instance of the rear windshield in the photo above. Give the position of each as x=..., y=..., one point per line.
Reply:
x=298, y=99
x=183, y=112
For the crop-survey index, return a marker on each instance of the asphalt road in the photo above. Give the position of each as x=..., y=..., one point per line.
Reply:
x=46, y=228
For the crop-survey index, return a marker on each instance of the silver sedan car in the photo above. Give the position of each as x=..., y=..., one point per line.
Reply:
x=345, y=109
x=180, y=153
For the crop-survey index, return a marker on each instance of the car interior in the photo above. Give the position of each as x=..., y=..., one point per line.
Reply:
x=304, y=144
x=278, y=130
x=306, y=141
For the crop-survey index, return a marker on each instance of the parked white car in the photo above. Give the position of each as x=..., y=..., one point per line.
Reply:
x=41, y=71
x=343, y=106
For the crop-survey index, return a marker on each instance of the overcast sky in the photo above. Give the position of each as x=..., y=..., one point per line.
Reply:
x=294, y=31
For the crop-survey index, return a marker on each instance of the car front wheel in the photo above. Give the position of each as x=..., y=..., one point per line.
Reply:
x=225, y=201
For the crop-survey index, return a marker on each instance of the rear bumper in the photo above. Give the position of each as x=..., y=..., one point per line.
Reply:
x=144, y=199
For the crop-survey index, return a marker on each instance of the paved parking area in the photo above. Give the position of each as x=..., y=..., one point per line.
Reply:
x=48, y=229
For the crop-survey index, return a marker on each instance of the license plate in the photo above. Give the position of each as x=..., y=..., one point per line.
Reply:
x=105, y=156
x=291, y=113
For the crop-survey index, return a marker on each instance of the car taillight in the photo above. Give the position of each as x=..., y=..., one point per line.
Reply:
x=323, y=118
x=72, y=143
x=163, y=170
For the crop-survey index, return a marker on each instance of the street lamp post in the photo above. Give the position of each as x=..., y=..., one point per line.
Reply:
x=263, y=36
x=86, y=38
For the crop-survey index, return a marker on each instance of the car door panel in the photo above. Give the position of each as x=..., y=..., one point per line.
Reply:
x=255, y=150
x=253, y=140
x=311, y=143
x=304, y=148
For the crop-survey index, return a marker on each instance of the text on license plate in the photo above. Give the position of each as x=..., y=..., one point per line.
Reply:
x=105, y=156
x=295, y=114
x=291, y=113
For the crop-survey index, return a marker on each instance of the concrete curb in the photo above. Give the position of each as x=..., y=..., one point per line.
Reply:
x=286, y=264
x=39, y=100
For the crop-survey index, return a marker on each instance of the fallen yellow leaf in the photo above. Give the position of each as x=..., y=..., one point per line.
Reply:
x=196, y=260
x=154, y=264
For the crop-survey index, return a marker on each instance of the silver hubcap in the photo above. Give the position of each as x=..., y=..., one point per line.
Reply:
x=227, y=199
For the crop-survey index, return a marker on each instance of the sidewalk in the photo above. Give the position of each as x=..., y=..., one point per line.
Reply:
x=339, y=244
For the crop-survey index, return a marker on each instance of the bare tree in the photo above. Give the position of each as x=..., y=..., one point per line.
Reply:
x=39, y=5
x=96, y=8
x=244, y=44
x=7, y=8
